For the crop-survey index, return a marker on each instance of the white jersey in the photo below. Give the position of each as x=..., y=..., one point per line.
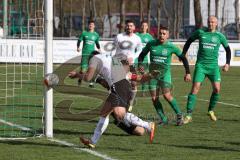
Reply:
x=110, y=68
x=128, y=47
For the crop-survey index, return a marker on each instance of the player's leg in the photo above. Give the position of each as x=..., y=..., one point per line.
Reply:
x=83, y=66
x=154, y=92
x=198, y=78
x=216, y=85
x=145, y=85
x=173, y=103
x=100, y=128
x=120, y=101
x=134, y=89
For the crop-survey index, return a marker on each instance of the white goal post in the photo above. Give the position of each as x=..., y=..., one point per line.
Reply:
x=48, y=99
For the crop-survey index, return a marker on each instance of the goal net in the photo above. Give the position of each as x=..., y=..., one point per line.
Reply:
x=21, y=68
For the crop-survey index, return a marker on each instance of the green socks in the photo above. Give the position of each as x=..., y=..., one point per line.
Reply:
x=191, y=103
x=175, y=107
x=158, y=106
x=213, y=100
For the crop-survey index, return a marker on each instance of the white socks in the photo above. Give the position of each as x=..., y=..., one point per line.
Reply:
x=134, y=93
x=130, y=118
x=101, y=127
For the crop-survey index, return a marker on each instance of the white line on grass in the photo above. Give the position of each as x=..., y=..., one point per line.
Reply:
x=95, y=153
x=4, y=139
x=82, y=149
x=227, y=104
x=15, y=125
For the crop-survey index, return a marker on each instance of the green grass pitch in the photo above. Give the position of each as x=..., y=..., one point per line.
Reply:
x=200, y=140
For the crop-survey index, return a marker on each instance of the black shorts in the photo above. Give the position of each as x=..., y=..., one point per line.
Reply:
x=120, y=94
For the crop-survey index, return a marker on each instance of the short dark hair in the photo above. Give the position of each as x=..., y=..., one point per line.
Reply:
x=164, y=28
x=129, y=21
x=91, y=21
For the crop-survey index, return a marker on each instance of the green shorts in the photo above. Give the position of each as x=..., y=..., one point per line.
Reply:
x=200, y=72
x=164, y=82
x=84, y=62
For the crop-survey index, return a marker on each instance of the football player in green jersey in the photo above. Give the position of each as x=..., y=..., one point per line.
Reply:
x=207, y=64
x=145, y=38
x=89, y=38
x=161, y=51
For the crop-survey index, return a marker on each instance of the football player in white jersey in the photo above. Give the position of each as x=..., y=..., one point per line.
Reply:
x=128, y=47
x=113, y=71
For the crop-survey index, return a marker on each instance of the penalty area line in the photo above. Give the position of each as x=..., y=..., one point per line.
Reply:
x=15, y=125
x=227, y=104
x=74, y=146
x=95, y=153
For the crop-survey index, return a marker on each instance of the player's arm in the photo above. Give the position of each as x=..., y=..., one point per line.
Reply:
x=228, y=59
x=141, y=57
x=79, y=41
x=91, y=72
x=97, y=43
x=88, y=76
x=184, y=60
x=192, y=38
x=224, y=42
x=187, y=45
x=142, y=77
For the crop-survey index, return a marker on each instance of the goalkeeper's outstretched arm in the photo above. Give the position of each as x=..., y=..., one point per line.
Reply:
x=88, y=76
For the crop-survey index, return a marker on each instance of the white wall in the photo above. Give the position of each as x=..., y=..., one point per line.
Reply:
x=32, y=51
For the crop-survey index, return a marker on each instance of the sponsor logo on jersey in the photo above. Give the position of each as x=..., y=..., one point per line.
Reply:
x=214, y=39
x=164, y=52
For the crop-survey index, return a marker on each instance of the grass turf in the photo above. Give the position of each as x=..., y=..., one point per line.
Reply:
x=202, y=139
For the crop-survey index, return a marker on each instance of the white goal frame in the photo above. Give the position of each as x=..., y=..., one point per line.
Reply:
x=48, y=68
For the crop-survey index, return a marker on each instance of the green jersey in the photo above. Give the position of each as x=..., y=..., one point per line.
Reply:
x=89, y=40
x=209, y=43
x=145, y=38
x=161, y=54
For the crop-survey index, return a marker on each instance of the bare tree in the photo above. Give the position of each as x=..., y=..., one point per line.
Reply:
x=217, y=5
x=209, y=8
x=159, y=16
x=149, y=8
x=70, y=30
x=175, y=18
x=179, y=17
x=83, y=14
x=61, y=17
x=237, y=16
x=140, y=3
x=197, y=14
x=122, y=15
x=91, y=10
x=109, y=17
x=166, y=13
x=223, y=15
x=94, y=8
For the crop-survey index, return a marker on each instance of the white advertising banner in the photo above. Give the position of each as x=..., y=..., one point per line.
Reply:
x=32, y=51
